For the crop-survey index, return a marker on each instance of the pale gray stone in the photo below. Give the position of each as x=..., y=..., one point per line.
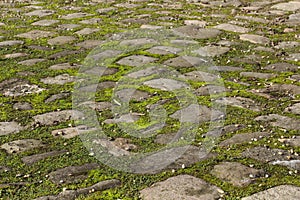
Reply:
x=9, y=128
x=36, y=34
x=60, y=40
x=22, y=106
x=75, y=15
x=282, y=192
x=166, y=84
x=256, y=39
x=201, y=76
x=136, y=60
x=87, y=31
x=40, y=13
x=63, y=66
x=289, y=6
x=138, y=42
x=60, y=79
x=89, y=44
x=164, y=50
x=183, y=187
x=211, y=51
x=31, y=62
x=71, y=132
x=185, y=62
x=196, y=32
x=45, y=22
x=11, y=43
x=258, y=75
x=282, y=67
x=232, y=28
x=293, y=109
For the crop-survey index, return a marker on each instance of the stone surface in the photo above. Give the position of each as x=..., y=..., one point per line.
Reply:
x=31, y=62
x=289, y=6
x=166, y=84
x=87, y=31
x=63, y=66
x=257, y=75
x=293, y=109
x=164, y=50
x=236, y=173
x=35, y=34
x=184, y=187
x=243, y=138
x=53, y=118
x=45, y=22
x=11, y=43
x=72, y=174
x=196, y=32
x=19, y=146
x=9, y=128
x=71, y=132
x=185, y=61
x=136, y=61
x=283, y=192
x=211, y=51
x=60, y=79
x=22, y=106
x=240, y=102
x=60, y=40
x=256, y=39
x=75, y=15
x=232, y=27
x=281, y=121
x=29, y=160
x=281, y=67
x=40, y=13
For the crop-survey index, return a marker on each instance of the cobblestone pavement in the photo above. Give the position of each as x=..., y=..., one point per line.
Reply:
x=235, y=54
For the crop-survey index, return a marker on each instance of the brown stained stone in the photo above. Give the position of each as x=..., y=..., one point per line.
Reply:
x=243, y=138
x=101, y=71
x=183, y=187
x=29, y=160
x=196, y=32
x=232, y=28
x=56, y=117
x=236, y=173
x=136, y=60
x=60, y=40
x=98, y=106
x=126, y=118
x=72, y=174
x=31, y=62
x=281, y=121
x=282, y=67
x=282, y=192
x=7, y=128
x=36, y=34
x=19, y=146
x=185, y=62
x=240, y=102
x=256, y=39
x=258, y=75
